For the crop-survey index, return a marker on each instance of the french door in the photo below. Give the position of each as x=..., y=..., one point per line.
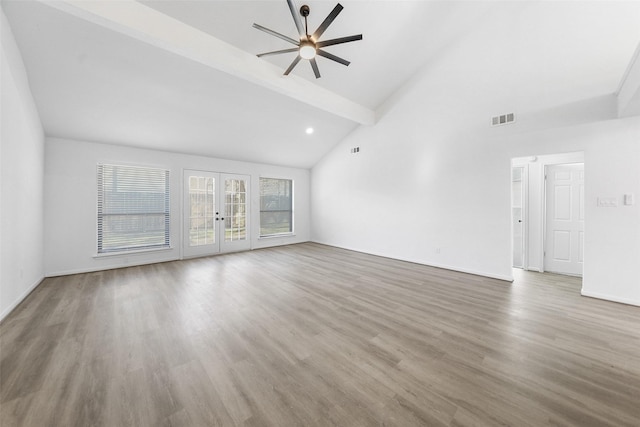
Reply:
x=216, y=213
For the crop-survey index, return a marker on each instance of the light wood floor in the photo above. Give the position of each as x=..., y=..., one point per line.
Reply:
x=310, y=335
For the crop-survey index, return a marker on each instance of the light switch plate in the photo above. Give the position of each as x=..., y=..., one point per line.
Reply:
x=628, y=199
x=607, y=202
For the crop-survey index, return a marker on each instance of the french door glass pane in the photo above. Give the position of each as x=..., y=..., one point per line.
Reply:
x=202, y=210
x=235, y=215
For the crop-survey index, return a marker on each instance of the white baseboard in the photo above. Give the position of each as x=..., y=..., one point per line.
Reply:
x=80, y=271
x=609, y=298
x=104, y=268
x=21, y=298
x=508, y=278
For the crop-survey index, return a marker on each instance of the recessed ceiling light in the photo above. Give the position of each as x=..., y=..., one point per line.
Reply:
x=309, y=131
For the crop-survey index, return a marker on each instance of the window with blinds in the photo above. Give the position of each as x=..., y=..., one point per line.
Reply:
x=133, y=208
x=276, y=206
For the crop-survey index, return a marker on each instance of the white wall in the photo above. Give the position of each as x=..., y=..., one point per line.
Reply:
x=629, y=91
x=406, y=202
x=612, y=235
x=612, y=245
x=71, y=197
x=21, y=171
x=431, y=183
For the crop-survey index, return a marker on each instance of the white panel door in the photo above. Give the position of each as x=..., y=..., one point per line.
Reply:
x=216, y=213
x=564, y=236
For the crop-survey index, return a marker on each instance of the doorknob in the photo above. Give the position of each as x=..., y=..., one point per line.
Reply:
x=519, y=220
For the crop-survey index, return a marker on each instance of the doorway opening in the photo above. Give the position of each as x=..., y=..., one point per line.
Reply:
x=547, y=224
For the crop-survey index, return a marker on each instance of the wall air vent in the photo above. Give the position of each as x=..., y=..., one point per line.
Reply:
x=503, y=119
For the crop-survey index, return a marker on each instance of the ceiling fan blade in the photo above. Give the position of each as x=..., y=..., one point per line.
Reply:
x=314, y=65
x=327, y=21
x=276, y=52
x=293, y=65
x=296, y=19
x=274, y=33
x=338, y=41
x=333, y=57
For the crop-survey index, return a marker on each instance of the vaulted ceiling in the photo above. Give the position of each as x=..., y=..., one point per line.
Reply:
x=182, y=76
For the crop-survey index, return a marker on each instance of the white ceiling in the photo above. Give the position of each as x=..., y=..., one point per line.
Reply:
x=98, y=83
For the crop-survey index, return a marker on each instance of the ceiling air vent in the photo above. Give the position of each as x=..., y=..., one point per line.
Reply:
x=503, y=119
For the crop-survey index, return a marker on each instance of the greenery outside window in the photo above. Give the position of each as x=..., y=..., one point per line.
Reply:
x=276, y=206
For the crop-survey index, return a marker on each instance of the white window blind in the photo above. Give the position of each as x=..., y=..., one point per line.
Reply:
x=276, y=206
x=133, y=208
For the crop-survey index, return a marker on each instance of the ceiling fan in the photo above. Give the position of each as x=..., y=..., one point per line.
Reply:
x=308, y=46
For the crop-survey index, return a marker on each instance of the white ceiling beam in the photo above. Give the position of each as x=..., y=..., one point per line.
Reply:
x=629, y=89
x=150, y=26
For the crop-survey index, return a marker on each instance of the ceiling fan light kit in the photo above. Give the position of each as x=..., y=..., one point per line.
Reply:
x=309, y=46
x=307, y=50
